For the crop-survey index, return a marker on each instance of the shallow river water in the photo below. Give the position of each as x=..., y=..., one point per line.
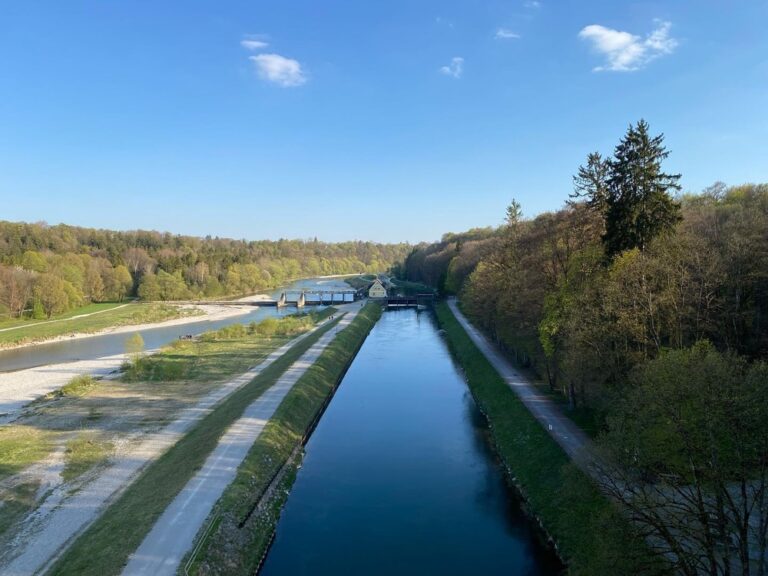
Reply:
x=399, y=477
x=111, y=344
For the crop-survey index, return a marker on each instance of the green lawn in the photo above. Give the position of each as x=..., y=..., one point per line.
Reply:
x=592, y=536
x=105, y=546
x=110, y=315
x=241, y=536
x=87, y=309
x=21, y=446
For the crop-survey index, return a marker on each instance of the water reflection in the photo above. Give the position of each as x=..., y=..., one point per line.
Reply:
x=399, y=477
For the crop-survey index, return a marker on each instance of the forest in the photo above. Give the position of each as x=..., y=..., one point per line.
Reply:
x=47, y=270
x=646, y=311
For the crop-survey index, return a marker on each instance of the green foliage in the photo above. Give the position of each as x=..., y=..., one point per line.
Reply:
x=38, y=312
x=134, y=348
x=103, y=265
x=638, y=206
x=694, y=423
x=76, y=387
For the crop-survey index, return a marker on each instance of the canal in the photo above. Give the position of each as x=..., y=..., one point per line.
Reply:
x=399, y=477
x=111, y=344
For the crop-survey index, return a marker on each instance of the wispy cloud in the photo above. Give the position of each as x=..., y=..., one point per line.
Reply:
x=532, y=4
x=506, y=34
x=455, y=69
x=625, y=52
x=279, y=70
x=250, y=44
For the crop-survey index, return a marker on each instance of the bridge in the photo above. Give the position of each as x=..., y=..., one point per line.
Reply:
x=298, y=298
x=301, y=298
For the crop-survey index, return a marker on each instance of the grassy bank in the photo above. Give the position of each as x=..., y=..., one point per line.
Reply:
x=243, y=523
x=219, y=354
x=87, y=309
x=590, y=534
x=106, y=545
x=107, y=316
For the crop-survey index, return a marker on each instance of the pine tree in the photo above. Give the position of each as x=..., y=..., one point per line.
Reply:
x=638, y=205
x=591, y=183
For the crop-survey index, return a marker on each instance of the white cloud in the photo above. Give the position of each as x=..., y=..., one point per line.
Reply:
x=532, y=4
x=506, y=34
x=279, y=69
x=253, y=44
x=625, y=52
x=455, y=69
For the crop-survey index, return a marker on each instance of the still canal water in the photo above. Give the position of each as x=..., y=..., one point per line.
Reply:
x=111, y=344
x=399, y=477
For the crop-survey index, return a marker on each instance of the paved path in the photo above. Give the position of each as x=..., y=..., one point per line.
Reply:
x=62, y=319
x=569, y=436
x=174, y=533
x=63, y=516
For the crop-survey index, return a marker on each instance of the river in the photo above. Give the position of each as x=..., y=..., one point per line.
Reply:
x=111, y=344
x=399, y=477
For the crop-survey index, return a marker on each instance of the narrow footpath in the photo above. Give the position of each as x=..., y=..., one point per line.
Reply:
x=174, y=533
x=63, y=516
x=568, y=435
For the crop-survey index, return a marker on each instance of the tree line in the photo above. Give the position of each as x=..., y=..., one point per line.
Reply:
x=648, y=311
x=47, y=270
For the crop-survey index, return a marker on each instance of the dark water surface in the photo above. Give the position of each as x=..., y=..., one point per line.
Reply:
x=111, y=344
x=399, y=478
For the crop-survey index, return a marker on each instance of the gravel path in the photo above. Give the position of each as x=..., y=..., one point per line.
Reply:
x=63, y=515
x=570, y=437
x=174, y=533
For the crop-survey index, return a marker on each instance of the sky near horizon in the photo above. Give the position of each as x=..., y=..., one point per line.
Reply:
x=378, y=120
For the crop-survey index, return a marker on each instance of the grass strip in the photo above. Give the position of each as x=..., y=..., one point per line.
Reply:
x=17, y=503
x=84, y=452
x=218, y=354
x=244, y=526
x=133, y=314
x=106, y=545
x=590, y=533
x=22, y=446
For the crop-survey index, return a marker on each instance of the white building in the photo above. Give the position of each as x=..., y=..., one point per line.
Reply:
x=377, y=290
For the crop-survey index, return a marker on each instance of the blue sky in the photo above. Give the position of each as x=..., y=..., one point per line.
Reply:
x=381, y=120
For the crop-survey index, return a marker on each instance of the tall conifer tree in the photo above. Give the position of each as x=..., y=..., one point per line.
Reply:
x=638, y=204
